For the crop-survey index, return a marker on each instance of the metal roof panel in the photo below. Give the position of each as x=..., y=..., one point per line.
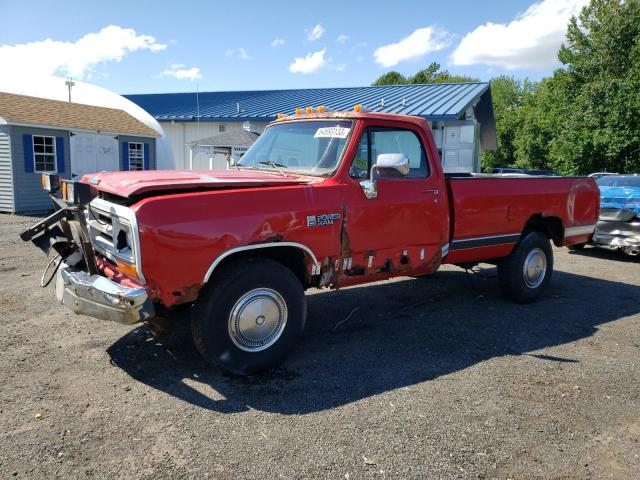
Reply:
x=432, y=101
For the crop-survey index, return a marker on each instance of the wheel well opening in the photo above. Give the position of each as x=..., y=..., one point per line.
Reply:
x=293, y=258
x=550, y=226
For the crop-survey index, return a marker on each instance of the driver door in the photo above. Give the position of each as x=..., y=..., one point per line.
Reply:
x=401, y=230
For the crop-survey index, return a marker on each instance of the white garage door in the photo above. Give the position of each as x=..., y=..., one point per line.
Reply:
x=92, y=153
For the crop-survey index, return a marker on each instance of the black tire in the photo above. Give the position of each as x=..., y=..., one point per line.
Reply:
x=211, y=321
x=515, y=284
x=577, y=246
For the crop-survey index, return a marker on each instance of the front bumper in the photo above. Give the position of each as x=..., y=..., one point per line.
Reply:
x=618, y=234
x=100, y=297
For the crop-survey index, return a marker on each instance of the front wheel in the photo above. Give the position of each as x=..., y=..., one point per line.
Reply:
x=525, y=273
x=250, y=316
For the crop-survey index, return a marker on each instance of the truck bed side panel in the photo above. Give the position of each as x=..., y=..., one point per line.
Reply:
x=490, y=213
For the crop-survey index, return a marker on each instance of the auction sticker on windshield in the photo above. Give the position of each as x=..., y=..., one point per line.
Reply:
x=332, y=132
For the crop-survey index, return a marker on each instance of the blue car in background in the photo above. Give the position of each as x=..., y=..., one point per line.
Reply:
x=619, y=223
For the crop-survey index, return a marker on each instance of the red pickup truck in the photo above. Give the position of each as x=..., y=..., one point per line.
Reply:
x=320, y=200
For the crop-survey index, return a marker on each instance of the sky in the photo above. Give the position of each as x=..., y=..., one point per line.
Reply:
x=180, y=46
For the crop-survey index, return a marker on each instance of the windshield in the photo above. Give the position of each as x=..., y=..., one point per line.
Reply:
x=307, y=147
x=619, y=181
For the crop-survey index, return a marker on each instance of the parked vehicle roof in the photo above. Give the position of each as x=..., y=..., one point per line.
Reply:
x=619, y=181
x=547, y=173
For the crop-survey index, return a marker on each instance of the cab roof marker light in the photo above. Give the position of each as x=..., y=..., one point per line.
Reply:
x=280, y=115
x=298, y=111
x=357, y=108
x=320, y=109
x=309, y=109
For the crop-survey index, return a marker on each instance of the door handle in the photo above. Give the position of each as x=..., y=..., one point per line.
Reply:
x=435, y=191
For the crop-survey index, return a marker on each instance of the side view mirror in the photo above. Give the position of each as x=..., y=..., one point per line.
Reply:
x=392, y=165
x=387, y=165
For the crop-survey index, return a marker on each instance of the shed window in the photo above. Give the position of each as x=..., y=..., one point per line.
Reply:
x=44, y=153
x=222, y=128
x=136, y=156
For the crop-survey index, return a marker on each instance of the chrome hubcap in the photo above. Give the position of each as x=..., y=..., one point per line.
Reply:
x=257, y=319
x=534, y=268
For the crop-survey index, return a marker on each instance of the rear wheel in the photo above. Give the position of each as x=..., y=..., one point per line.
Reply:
x=250, y=316
x=525, y=273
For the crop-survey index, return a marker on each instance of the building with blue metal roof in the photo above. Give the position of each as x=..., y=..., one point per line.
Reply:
x=461, y=115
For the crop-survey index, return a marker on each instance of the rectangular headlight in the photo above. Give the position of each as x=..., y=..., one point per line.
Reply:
x=50, y=182
x=75, y=192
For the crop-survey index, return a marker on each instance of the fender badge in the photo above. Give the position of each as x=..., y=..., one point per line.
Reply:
x=322, y=220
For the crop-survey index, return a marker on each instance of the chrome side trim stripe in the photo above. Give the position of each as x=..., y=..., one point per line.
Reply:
x=307, y=250
x=487, y=241
x=581, y=230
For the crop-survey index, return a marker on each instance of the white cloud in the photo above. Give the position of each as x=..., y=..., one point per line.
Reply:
x=342, y=38
x=315, y=33
x=311, y=63
x=237, y=53
x=419, y=43
x=277, y=42
x=76, y=59
x=530, y=41
x=179, y=71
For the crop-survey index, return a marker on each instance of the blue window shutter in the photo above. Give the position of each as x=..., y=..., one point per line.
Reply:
x=125, y=155
x=60, y=154
x=146, y=156
x=27, y=142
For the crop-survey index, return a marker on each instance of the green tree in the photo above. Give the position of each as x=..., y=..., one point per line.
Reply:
x=602, y=59
x=431, y=74
x=509, y=95
x=391, y=78
x=538, y=122
x=586, y=117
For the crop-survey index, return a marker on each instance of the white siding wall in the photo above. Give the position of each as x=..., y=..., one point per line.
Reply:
x=459, y=144
x=181, y=133
x=6, y=174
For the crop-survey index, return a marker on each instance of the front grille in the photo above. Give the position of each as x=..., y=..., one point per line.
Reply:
x=105, y=232
x=113, y=231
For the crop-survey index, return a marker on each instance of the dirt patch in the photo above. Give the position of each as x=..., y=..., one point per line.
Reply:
x=432, y=378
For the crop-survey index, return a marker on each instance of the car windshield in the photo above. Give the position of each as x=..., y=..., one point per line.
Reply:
x=619, y=181
x=308, y=147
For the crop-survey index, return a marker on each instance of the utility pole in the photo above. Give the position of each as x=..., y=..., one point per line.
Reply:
x=70, y=84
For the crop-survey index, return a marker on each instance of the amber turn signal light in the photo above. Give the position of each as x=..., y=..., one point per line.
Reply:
x=127, y=269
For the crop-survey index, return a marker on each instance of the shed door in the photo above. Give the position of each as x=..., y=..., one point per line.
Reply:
x=92, y=153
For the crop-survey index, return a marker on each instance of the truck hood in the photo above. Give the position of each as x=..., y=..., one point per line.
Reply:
x=129, y=184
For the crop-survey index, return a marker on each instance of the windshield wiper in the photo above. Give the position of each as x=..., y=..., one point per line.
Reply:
x=275, y=165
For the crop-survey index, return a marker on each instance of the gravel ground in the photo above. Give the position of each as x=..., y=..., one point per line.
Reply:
x=430, y=378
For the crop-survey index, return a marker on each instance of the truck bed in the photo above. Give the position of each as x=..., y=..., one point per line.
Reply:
x=489, y=212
